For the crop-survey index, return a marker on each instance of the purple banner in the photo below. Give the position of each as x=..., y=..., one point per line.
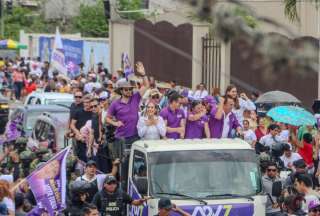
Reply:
x=219, y=210
x=141, y=210
x=48, y=184
x=127, y=65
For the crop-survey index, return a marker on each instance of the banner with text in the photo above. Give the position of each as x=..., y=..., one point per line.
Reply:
x=48, y=184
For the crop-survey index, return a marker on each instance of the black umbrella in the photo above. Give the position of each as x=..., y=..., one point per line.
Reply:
x=277, y=97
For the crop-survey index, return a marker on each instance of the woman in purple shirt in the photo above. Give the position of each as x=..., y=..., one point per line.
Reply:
x=197, y=122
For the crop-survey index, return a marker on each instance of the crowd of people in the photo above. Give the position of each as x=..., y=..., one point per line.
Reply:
x=113, y=110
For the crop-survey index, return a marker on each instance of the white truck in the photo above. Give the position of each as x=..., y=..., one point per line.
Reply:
x=207, y=177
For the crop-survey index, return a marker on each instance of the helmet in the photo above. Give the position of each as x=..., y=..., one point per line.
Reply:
x=42, y=150
x=22, y=140
x=47, y=156
x=79, y=187
x=27, y=155
x=277, y=150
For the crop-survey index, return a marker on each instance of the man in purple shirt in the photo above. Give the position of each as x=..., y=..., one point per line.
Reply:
x=223, y=121
x=123, y=113
x=174, y=118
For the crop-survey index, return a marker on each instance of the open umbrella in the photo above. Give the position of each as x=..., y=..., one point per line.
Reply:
x=292, y=115
x=277, y=97
x=11, y=44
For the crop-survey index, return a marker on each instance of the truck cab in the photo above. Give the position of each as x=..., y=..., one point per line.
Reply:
x=212, y=177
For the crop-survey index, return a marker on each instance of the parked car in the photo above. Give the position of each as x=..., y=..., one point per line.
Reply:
x=49, y=131
x=49, y=98
x=23, y=118
x=4, y=112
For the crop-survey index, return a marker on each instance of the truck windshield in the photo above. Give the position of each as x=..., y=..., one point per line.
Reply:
x=205, y=173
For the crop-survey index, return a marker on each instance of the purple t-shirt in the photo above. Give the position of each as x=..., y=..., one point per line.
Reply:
x=216, y=125
x=173, y=119
x=195, y=129
x=127, y=113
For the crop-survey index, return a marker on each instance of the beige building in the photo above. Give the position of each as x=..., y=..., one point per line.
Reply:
x=178, y=12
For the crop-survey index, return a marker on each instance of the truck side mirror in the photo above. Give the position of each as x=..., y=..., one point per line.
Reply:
x=142, y=185
x=277, y=188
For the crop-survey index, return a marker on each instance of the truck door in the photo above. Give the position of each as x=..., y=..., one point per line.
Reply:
x=139, y=172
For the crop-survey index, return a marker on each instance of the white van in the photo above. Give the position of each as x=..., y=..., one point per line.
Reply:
x=207, y=177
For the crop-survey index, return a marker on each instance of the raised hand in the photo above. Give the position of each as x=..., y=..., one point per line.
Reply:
x=140, y=69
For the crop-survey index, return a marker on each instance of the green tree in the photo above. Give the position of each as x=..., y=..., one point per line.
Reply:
x=91, y=21
x=24, y=19
x=130, y=5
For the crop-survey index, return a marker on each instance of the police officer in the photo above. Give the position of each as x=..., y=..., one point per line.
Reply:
x=26, y=157
x=112, y=201
x=21, y=144
x=40, y=157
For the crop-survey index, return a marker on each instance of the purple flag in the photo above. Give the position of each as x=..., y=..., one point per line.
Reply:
x=136, y=210
x=48, y=184
x=127, y=65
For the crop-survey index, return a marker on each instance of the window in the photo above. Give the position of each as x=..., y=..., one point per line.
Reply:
x=38, y=130
x=139, y=165
x=204, y=174
x=31, y=100
x=139, y=172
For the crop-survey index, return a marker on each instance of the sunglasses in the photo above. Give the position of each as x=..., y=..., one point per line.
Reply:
x=102, y=99
x=94, y=106
x=155, y=97
x=127, y=89
x=78, y=96
x=272, y=170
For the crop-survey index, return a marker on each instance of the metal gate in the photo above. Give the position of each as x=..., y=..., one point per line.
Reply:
x=211, y=62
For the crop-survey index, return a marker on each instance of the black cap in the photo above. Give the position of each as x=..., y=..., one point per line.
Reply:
x=299, y=164
x=90, y=163
x=164, y=203
x=109, y=179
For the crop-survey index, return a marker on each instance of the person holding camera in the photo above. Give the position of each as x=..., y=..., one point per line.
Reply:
x=271, y=176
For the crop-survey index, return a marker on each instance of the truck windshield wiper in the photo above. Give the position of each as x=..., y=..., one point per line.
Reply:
x=184, y=195
x=231, y=195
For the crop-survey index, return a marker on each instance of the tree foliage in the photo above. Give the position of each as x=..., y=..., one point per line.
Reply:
x=22, y=18
x=91, y=21
x=130, y=5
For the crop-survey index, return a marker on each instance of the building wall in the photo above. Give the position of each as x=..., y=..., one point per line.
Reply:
x=32, y=41
x=199, y=31
x=121, y=41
